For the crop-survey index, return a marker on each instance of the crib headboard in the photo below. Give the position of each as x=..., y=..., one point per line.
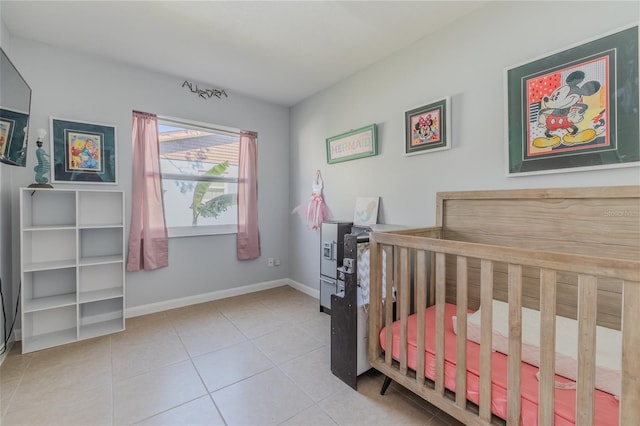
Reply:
x=602, y=221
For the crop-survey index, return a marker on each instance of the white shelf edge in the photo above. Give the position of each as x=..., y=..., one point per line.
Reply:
x=100, y=260
x=45, y=266
x=36, y=228
x=50, y=302
x=100, y=226
x=98, y=295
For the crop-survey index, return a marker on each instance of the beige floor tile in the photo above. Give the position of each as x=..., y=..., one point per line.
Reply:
x=286, y=343
x=195, y=413
x=82, y=376
x=268, y=398
x=131, y=358
x=312, y=373
x=154, y=392
x=319, y=326
x=70, y=354
x=262, y=322
x=240, y=306
x=146, y=327
x=63, y=408
x=188, y=317
x=367, y=406
x=312, y=416
x=7, y=389
x=14, y=365
x=230, y=365
x=211, y=335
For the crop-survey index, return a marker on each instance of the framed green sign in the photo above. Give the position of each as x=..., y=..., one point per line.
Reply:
x=359, y=143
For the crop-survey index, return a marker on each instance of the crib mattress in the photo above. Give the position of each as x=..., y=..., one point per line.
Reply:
x=606, y=405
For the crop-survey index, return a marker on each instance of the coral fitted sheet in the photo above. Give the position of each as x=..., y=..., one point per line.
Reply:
x=606, y=405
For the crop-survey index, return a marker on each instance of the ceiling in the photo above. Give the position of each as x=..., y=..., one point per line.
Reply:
x=278, y=51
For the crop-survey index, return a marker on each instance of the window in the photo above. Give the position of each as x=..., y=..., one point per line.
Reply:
x=199, y=166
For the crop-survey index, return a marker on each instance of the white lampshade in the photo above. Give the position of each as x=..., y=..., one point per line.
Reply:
x=42, y=133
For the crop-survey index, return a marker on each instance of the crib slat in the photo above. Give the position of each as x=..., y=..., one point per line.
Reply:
x=388, y=304
x=515, y=344
x=421, y=302
x=461, y=338
x=375, y=299
x=440, y=300
x=486, y=331
x=404, y=305
x=629, y=407
x=587, y=311
x=546, y=387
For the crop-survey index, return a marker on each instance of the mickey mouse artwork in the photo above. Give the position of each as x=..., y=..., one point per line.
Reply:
x=427, y=127
x=568, y=109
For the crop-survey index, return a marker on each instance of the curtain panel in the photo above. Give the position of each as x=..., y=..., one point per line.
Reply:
x=248, y=237
x=148, y=241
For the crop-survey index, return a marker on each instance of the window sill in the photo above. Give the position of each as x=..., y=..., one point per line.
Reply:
x=196, y=231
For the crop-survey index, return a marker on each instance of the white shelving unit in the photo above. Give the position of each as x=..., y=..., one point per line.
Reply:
x=72, y=265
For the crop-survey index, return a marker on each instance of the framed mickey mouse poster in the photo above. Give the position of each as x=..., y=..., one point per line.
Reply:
x=576, y=109
x=427, y=127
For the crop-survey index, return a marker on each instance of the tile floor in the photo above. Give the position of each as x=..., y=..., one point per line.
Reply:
x=257, y=359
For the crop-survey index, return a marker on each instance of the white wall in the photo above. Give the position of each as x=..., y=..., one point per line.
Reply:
x=83, y=88
x=5, y=224
x=466, y=61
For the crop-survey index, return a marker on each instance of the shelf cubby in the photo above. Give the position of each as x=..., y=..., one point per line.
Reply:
x=101, y=317
x=51, y=327
x=36, y=208
x=100, y=281
x=100, y=209
x=49, y=289
x=48, y=247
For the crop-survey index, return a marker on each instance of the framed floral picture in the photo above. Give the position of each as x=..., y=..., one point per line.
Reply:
x=82, y=152
x=427, y=128
x=576, y=109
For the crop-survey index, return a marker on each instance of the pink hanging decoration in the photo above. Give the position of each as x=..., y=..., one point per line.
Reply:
x=314, y=211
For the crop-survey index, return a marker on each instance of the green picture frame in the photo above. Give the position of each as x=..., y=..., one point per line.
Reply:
x=83, y=152
x=575, y=109
x=354, y=144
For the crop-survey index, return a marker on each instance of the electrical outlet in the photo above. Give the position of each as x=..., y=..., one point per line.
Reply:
x=271, y=261
x=277, y=262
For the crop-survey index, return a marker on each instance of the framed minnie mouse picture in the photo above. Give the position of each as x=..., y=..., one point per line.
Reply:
x=427, y=128
x=576, y=109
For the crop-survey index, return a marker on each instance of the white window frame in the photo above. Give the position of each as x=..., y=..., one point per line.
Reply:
x=201, y=230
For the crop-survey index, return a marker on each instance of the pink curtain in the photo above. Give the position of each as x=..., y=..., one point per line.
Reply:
x=248, y=238
x=148, y=242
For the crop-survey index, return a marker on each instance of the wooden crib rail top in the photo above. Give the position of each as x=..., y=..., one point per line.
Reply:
x=595, y=221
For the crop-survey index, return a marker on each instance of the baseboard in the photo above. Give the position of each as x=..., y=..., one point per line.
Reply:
x=201, y=298
x=304, y=288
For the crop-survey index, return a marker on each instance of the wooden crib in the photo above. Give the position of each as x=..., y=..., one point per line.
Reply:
x=564, y=253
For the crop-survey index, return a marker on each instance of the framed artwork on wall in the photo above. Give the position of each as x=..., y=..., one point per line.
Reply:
x=354, y=144
x=427, y=128
x=576, y=109
x=13, y=126
x=82, y=152
x=366, y=211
